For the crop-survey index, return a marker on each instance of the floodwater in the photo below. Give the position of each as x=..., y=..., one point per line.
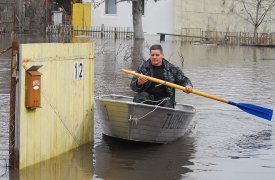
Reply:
x=223, y=143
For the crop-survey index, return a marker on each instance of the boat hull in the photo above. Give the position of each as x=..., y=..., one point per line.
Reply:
x=122, y=118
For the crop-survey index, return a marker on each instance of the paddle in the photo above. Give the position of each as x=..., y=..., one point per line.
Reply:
x=262, y=112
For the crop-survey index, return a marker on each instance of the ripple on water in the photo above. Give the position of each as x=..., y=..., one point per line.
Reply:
x=4, y=133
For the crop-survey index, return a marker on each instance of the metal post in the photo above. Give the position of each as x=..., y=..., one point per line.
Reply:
x=162, y=37
x=14, y=154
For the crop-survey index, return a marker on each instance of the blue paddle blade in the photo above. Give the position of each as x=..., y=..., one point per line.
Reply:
x=259, y=111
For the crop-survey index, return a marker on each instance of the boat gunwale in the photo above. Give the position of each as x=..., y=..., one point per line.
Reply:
x=100, y=98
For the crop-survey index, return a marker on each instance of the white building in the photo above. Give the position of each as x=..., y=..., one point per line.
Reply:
x=173, y=16
x=158, y=16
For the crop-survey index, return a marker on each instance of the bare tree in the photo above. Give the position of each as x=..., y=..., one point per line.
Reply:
x=137, y=9
x=255, y=12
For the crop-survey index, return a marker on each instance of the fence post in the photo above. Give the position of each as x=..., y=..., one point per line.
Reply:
x=102, y=31
x=115, y=33
x=216, y=37
x=241, y=38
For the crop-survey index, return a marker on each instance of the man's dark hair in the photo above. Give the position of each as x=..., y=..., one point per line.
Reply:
x=156, y=47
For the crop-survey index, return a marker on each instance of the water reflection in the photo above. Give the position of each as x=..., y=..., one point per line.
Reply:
x=120, y=159
x=138, y=54
x=73, y=165
x=4, y=75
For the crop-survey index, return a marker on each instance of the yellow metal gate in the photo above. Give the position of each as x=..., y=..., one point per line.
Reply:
x=81, y=19
x=63, y=117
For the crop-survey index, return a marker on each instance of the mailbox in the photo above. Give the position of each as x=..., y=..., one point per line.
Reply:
x=33, y=88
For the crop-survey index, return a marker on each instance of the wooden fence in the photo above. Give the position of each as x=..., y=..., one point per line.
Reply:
x=104, y=32
x=234, y=38
x=59, y=30
x=241, y=38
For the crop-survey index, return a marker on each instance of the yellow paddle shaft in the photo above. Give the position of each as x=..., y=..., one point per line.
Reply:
x=172, y=85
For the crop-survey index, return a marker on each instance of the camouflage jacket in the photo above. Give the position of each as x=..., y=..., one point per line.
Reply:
x=171, y=74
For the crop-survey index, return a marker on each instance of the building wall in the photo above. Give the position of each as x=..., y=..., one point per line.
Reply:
x=216, y=15
x=158, y=16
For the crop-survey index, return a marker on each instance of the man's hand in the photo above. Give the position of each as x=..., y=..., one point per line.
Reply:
x=188, y=89
x=142, y=80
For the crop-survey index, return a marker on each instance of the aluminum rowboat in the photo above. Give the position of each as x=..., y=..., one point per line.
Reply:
x=122, y=118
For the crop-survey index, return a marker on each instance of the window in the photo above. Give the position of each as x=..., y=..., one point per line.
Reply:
x=110, y=7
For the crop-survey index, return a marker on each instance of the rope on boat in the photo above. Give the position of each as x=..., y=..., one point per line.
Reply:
x=157, y=106
x=131, y=118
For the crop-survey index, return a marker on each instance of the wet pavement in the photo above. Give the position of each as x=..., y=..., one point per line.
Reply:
x=224, y=142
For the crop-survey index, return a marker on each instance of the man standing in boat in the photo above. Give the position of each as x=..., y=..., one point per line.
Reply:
x=158, y=94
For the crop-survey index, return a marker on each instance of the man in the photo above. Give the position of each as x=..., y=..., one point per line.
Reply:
x=158, y=67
